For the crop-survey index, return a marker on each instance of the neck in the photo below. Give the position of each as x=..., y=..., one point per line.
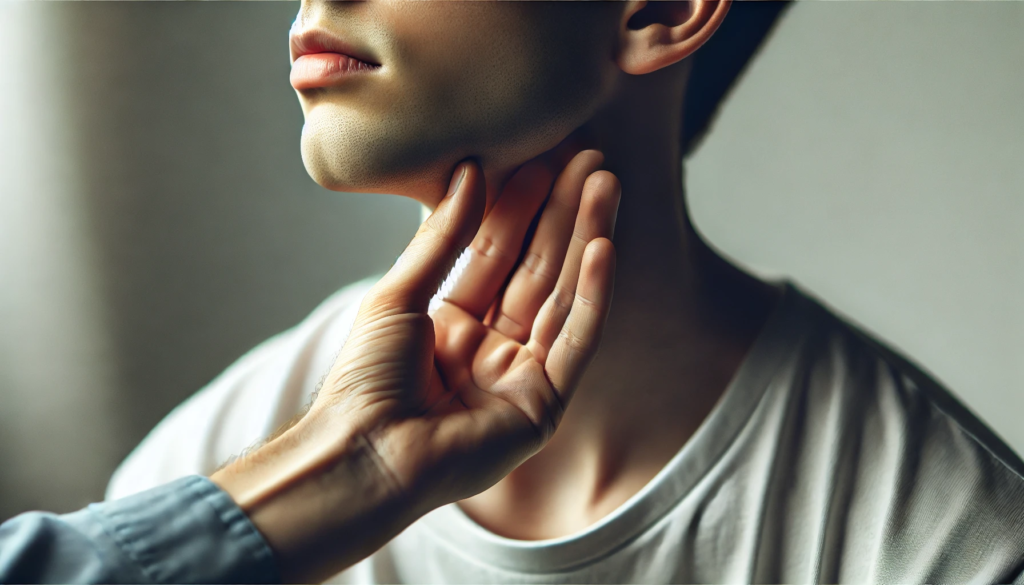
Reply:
x=680, y=310
x=681, y=322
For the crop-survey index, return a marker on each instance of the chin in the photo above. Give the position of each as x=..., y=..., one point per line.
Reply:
x=339, y=169
x=342, y=155
x=403, y=155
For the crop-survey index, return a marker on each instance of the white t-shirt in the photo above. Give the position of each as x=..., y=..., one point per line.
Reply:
x=828, y=458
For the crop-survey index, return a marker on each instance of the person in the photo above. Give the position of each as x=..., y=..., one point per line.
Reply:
x=730, y=429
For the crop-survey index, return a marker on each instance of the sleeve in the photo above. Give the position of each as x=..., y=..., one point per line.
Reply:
x=188, y=531
x=256, y=395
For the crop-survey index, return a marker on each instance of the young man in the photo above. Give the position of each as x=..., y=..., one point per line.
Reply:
x=729, y=430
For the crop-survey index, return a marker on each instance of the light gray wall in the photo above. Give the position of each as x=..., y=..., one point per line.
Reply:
x=876, y=153
x=156, y=221
x=58, y=423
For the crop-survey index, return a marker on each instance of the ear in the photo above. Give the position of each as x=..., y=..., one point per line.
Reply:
x=660, y=33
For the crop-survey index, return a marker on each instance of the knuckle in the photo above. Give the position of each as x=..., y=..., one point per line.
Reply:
x=581, y=236
x=489, y=247
x=562, y=299
x=574, y=342
x=585, y=301
x=540, y=266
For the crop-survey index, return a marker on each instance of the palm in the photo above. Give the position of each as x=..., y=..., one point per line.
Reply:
x=490, y=404
x=482, y=383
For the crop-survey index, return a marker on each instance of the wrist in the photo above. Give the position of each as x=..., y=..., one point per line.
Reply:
x=322, y=500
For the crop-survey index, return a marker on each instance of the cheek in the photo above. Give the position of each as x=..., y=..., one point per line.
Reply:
x=482, y=80
x=459, y=80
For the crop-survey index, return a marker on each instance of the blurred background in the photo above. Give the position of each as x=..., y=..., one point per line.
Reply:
x=156, y=221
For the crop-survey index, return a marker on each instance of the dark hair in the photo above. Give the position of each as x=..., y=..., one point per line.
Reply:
x=721, y=61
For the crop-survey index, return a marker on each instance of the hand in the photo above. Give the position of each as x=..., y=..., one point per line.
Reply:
x=423, y=409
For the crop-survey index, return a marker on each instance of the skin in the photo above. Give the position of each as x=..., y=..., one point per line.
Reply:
x=463, y=404
x=499, y=81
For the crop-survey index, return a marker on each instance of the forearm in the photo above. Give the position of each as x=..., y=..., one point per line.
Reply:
x=319, y=497
x=301, y=508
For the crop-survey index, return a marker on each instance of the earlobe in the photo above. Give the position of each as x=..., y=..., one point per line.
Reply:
x=661, y=33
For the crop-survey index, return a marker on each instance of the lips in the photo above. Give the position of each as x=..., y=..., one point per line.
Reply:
x=321, y=60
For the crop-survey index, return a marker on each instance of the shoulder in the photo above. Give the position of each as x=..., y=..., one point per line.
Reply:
x=944, y=494
x=261, y=391
x=867, y=368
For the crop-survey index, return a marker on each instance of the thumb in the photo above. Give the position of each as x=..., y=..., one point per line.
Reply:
x=429, y=257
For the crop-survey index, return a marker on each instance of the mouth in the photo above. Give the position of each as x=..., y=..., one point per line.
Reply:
x=322, y=60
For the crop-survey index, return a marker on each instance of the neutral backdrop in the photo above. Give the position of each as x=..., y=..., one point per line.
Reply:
x=156, y=221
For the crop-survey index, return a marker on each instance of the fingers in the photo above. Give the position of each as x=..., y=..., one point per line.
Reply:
x=428, y=258
x=596, y=219
x=495, y=249
x=577, y=342
x=541, y=265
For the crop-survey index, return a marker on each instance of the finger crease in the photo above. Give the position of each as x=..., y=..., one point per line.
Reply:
x=489, y=249
x=539, y=266
x=562, y=298
x=585, y=300
x=502, y=313
x=575, y=342
x=555, y=414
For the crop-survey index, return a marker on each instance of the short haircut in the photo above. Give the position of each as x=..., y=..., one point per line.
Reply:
x=721, y=62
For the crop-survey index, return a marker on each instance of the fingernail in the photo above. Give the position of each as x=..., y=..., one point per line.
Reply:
x=457, y=179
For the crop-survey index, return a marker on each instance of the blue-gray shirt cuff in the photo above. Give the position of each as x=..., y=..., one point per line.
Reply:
x=187, y=531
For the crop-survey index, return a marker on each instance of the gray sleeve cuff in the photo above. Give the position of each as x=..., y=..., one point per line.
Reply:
x=187, y=531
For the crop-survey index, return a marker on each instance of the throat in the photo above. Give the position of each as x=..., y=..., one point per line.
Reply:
x=681, y=323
